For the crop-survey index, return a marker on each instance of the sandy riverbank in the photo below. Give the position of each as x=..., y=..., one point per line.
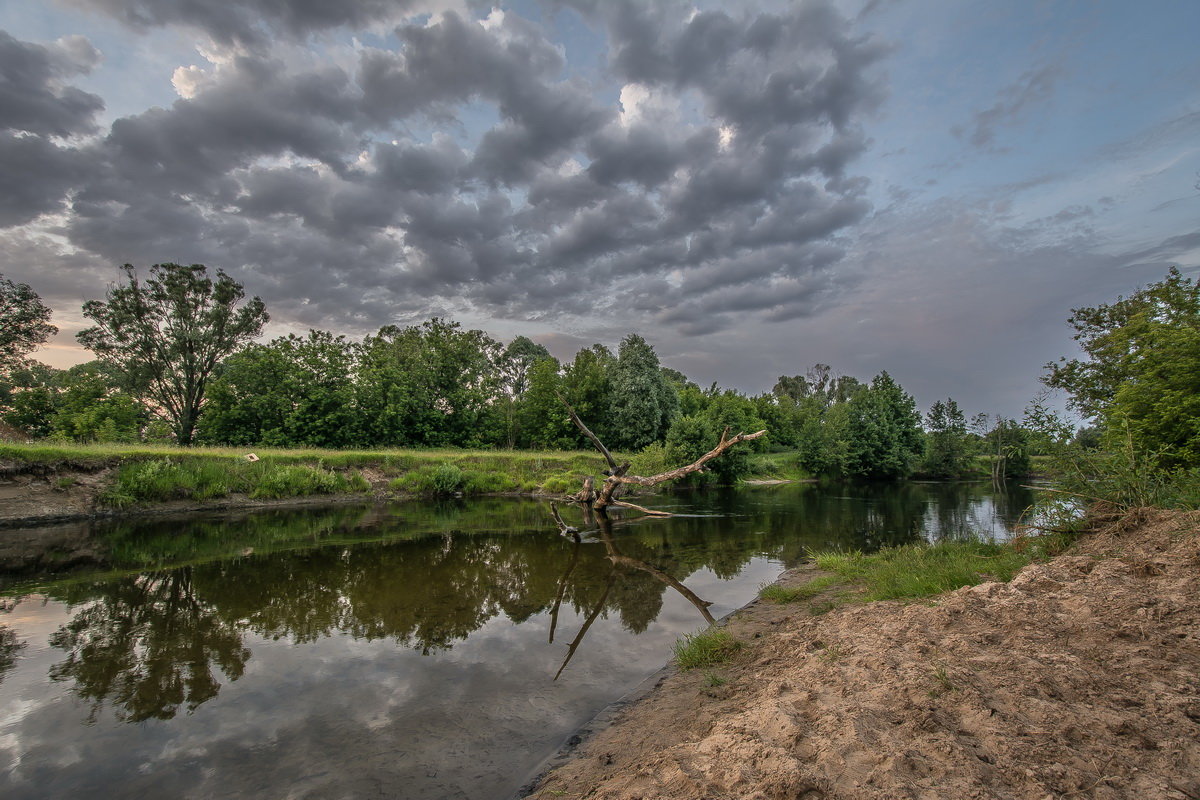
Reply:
x=1080, y=678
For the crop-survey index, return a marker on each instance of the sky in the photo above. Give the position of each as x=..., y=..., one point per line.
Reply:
x=925, y=187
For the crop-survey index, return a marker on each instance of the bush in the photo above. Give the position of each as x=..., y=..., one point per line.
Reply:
x=447, y=478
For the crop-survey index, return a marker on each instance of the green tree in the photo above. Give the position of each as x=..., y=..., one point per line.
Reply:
x=643, y=401
x=292, y=392
x=24, y=323
x=91, y=407
x=1141, y=374
x=947, y=448
x=883, y=435
x=432, y=385
x=541, y=417
x=29, y=398
x=587, y=385
x=166, y=336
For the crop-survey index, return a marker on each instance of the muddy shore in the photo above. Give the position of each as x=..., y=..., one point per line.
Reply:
x=1078, y=679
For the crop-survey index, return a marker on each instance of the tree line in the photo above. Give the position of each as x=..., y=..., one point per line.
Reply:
x=176, y=361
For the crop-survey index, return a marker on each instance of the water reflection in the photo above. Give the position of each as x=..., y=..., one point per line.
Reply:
x=363, y=648
x=148, y=645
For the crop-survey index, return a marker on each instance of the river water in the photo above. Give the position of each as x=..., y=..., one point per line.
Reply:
x=419, y=650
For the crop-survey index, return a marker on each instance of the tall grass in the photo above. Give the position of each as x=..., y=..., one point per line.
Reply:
x=162, y=479
x=705, y=648
x=920, y=570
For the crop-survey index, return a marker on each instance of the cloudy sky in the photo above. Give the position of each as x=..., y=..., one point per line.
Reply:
x=922, y=186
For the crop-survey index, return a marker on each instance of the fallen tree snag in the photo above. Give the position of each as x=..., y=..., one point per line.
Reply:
x=617, y=473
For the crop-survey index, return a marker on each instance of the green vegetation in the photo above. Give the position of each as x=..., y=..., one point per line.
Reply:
x=24, y=323
x=705, y=648
x=920, y=570
x=1140, y=383
x=199, y=478
x=775, y=593
x=166, y=336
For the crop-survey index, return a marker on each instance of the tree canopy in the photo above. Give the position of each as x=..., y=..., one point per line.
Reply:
x=24, y=323
x=1141, y=374
x=168, y=334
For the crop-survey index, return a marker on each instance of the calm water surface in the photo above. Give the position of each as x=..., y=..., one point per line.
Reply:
x=400, y=651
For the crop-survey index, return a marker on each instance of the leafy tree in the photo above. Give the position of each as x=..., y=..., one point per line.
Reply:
x=515, y=364
x=29, y=397
x=542, y=420
x=1141, y=373
x=587, y=384
x=90, y=406
x=431, y=385
x=947, y=448
x=292, y=392
x=24, y=323
x=691, y=436
x=643, y=401
x=166, y=336
x=518, y=359
x=883, y=435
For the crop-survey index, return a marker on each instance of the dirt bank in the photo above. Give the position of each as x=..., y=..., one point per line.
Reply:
x=1080, y=678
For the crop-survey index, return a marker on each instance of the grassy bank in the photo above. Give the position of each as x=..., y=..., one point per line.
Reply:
x=143, y=474
x=914, y=571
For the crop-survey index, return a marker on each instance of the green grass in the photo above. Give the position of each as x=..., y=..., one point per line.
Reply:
x=775, y=466
x=150, y=473
x=775, y=593
x=919, y=570
x=173, y=478
x=705, y=648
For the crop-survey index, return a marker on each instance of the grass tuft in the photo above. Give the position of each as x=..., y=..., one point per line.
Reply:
x=705, y=648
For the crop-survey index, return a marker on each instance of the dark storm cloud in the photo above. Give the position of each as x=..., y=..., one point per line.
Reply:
x=717, y=190
x=34, y=95
x=250, y=22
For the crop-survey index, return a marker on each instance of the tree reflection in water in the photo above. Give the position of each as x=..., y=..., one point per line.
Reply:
x=154, y=642
x=148, y=645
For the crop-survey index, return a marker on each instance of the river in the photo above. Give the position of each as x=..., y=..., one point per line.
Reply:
x=416, y=650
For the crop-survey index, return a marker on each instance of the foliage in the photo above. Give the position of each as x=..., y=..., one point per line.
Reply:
x=947, y=446
x=643, y=401
x=705, y=648
x=24, y=323
x=541, y=417
x=429, y=386
x=882, y=431
x=167, y=335
x=292, y=392
x=89, y=407
x=1141, y=374
x=587, y=384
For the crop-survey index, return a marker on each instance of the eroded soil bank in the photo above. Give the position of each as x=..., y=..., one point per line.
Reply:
x=1080, y=678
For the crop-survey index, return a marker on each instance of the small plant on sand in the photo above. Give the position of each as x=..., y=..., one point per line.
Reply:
x=714, y=680
x=705, y=648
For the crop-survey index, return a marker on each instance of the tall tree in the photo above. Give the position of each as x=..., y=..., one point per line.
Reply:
x=24, y=323
x=883, y=431
x=431, y=385
x=1141, y=375
x=643, y=401
x=946, y=448
x=168, y=335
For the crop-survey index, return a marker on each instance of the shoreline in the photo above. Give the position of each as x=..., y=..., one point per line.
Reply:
x=1078, y=678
